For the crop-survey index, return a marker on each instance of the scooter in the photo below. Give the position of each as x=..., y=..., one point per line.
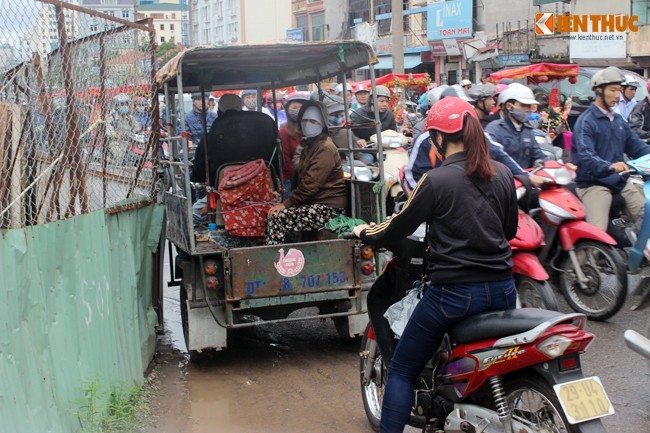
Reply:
x=531, y=278
x=583, y=258
x=396, y=157
x=501, y=371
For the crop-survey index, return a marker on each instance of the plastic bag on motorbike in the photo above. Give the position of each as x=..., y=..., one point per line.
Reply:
x=400, y=312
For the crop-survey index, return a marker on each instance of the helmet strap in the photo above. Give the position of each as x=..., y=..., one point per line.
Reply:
x=600, y=93
x=482, y=108
x=442, y=147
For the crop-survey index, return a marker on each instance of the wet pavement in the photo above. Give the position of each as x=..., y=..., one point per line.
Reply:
x=300, y=377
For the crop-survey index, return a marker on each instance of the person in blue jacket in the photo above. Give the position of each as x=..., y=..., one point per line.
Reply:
x=513, y=131
x=601, y=139
x=194, y=119
x=424, y=157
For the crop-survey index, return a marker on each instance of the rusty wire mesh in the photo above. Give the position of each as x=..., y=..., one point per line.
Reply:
x=78, y=112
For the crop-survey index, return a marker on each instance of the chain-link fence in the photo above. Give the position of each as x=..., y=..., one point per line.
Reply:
x=78, y=111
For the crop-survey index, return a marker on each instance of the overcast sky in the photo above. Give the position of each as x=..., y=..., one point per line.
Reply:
x=17, y=18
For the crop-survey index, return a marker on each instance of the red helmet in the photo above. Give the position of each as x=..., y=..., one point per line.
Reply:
x=448, y=114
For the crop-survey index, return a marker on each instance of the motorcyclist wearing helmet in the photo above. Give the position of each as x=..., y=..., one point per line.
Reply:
x=513, y=131
x=361, y=96
x=423, y=156
x=639, y=119
x=484, y=103
x=120, y=128
x=363, y=119
x=626, y=101
x=601, y=138
x=469, y=262
x=194, y=119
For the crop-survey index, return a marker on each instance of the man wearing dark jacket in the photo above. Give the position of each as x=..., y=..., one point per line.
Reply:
x=513, y=131
x=639, y=119
x=600, y=139
x=363, y=119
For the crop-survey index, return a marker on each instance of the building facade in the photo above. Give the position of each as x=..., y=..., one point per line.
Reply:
x=169, y=19
x=45, y=33
x=214, y=22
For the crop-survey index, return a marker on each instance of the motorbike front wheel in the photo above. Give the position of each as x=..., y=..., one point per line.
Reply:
x=372, y=392
x=606, y=287
x=533, y=403
x=535, y=294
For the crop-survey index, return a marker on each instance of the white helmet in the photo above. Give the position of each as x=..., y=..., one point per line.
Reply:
x=433, y=95
x=519, y=93
x=456, y=91
x=630, y=80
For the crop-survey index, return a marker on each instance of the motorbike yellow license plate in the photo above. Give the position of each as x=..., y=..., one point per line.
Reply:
x=583, y=399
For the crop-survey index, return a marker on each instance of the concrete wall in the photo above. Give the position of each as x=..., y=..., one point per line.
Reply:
x=504, y=11
x=265, y=21
x=336, y=18
x=601, y=7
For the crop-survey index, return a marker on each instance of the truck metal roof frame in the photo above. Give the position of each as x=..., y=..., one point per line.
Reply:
x=265, y=66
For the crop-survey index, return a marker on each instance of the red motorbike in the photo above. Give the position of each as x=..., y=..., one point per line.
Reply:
x=581, y=257
x=531, y=278
x=502, y=371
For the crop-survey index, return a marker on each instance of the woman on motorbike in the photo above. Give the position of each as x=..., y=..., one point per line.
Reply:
x=470, y=206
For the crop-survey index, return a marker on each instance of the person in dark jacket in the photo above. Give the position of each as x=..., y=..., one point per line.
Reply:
x=228, y=103
x=601, y=139
x=513, y=131
x=319, y=194
x=363, y=119
x=639, y=119
x=470, y=205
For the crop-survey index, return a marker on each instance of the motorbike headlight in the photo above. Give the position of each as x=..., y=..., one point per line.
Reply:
x=563, y=176
x=554, y=346
x=540, y=139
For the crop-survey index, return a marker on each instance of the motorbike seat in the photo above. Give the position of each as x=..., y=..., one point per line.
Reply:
x=495, y=324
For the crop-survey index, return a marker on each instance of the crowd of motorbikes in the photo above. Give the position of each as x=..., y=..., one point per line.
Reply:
x=517, y=371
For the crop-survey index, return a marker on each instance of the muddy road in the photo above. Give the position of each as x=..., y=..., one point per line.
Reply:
x=299, y=377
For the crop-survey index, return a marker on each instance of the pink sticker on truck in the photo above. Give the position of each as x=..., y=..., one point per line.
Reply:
x=291, y=264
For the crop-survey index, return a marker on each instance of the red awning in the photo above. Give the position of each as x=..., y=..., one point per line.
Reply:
x=553, y=71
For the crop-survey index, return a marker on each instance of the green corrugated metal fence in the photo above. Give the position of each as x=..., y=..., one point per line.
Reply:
x=75, y=307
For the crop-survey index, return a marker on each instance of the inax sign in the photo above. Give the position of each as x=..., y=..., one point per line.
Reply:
x=449, y=19
x=547, y=23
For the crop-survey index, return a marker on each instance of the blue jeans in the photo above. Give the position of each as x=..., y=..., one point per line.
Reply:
x=439, y=310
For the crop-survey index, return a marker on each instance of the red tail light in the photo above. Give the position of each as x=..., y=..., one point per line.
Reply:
x=371, y=334
x=212, y=283
x=368, y=268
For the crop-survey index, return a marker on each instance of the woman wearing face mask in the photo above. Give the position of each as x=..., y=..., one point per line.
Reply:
x=319, y=192
x=290, y=136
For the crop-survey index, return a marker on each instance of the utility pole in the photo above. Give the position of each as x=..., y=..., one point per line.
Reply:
x=397, y=24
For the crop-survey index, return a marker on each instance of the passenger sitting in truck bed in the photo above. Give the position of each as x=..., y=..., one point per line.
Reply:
x=319, y=194
x=228, y=103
